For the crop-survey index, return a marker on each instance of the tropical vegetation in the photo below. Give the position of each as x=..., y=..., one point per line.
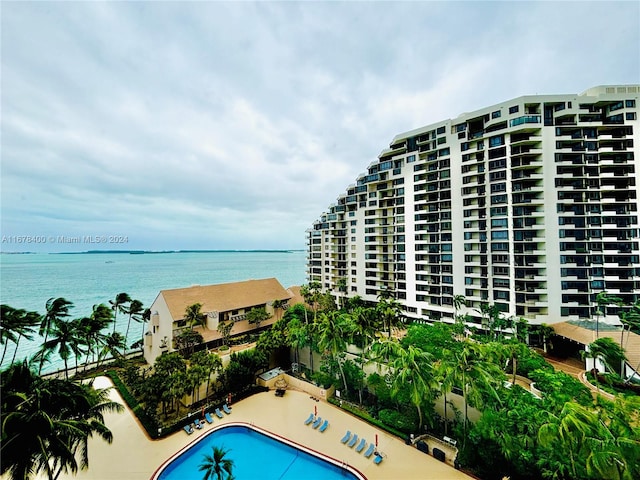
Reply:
x=442, y=379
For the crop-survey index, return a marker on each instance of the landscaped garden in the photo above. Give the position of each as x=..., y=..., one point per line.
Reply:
x=408, y=379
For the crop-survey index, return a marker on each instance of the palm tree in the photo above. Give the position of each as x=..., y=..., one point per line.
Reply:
x=134, y=310
x=15, y=324
x=8, y=326
x=56, y=309
x=119, y=305
x=607, y=351
x=630, y=320
x=603, y=299
x=474, y=373
x=65, y=339
x=296, y=335
x=193, y=315
x=217, y=465
x=209, y=362
x=459, y=301
x=311, y=294
x=591, y=440
x=413, y=372
x=444, y=370
x=545, y=331
x=92, y=329
x=46, y=423
x=26, y=328
x=365, y=326
x=114, y=345
x=335, y=328
x=390, y=310
x=278, y=307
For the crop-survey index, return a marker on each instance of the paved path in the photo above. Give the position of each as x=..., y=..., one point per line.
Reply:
x=570, y=368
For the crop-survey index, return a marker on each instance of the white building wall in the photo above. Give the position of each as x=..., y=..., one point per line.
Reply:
x=159, y=331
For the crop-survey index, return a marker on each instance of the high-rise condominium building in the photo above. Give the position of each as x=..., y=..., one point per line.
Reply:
x=530, y=205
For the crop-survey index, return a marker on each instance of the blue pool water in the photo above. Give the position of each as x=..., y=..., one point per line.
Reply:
x=255, y=455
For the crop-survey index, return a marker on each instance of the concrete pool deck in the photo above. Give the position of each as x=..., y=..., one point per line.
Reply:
x=134, y=456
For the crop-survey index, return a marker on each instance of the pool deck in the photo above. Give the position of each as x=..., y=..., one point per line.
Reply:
x=132, y=455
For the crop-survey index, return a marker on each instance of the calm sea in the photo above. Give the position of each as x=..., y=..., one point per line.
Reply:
x=27, y=281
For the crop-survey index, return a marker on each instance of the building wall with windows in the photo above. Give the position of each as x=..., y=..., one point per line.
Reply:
x=530, y=205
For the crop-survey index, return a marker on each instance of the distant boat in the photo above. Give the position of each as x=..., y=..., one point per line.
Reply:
x=109, y=261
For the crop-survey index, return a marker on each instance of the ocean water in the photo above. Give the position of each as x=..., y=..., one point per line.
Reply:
x=28, y=280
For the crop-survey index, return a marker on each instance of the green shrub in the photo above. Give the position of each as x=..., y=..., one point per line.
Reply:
x=322, y=379
x=364, y=415
x=148, y=421
x=530, y=362
x=398, y=420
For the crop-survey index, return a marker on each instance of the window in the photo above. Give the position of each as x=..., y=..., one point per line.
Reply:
x=411, y=158
x=514, y=109
x=498, y=199
x=630, y=115
x=496, y=141
x=497, y=175
x=499, y=247
x=498, y=187
x=496, y=114
x=499, y=222
x=498, y=211
x=500, y=235
x=440, y=130
x=630, y=103
x=500, y=295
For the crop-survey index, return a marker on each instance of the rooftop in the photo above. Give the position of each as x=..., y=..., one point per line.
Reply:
x=224, y=297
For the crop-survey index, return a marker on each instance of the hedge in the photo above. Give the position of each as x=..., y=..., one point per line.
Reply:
x=149, y=424
x=368, y=418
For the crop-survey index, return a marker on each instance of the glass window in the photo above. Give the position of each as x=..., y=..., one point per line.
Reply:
x=496, y=141
x=514, y=109
x=496, y=114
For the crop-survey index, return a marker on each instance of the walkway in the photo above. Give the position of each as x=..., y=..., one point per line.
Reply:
x=570, y=367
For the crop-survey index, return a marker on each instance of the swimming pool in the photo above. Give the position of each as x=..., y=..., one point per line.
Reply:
x=256, y=454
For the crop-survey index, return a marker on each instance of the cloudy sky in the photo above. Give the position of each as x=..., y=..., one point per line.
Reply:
x=214, y=125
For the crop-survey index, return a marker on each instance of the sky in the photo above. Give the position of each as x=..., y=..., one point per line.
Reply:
x=234, y=125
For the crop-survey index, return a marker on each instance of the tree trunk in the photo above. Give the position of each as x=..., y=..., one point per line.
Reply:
x=15, y=352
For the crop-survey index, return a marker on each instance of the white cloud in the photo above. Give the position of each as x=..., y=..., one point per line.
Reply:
x=234, y=125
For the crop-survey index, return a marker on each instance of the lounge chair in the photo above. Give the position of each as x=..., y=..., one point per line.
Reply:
x=378, y=459
x=353, y=440
x=317, y=423
x=370, y=450
x=324, y=426
x=198, y=424
x=219, y=413
x=226, y=409
x=188, y=429
x=361, y=445
x=310, y=419
x=208, y=417
x=346, y=437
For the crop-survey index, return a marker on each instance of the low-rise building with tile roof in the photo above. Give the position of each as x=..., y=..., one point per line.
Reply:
x=220, y=303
